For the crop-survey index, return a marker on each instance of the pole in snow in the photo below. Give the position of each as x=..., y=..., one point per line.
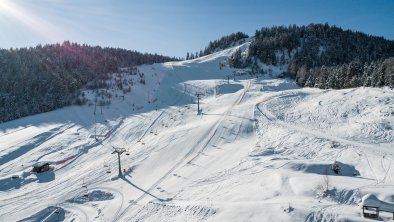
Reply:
x=95, y=121
x=95, y=118
x=119, y=151
x=198, y=102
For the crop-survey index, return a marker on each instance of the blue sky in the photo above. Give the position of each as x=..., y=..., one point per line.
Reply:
x=173, y=27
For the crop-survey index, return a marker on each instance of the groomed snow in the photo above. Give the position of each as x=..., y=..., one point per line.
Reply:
x=262, y=150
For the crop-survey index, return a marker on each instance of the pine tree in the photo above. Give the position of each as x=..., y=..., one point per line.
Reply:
x=310, y=82
x=322, y=80
x=331, y=79
x=235, y=59
x=388, y=65
x=365, y=76
x=301, y=75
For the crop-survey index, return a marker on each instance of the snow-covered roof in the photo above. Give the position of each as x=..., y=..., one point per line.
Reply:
x=372, y=201
x=40, y=164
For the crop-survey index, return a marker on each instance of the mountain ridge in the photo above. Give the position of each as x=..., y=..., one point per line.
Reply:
x=48, y=77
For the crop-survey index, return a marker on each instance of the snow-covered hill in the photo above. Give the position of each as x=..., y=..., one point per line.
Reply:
x=262, y=150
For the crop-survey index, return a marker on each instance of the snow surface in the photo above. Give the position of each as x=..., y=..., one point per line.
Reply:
x=261, y=150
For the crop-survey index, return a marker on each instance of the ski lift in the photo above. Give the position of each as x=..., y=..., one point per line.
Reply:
x=105, y=163
x=84, y=185
x=108, y=169
x=86, y=193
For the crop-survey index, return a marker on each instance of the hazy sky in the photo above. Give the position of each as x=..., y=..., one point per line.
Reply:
x=173, y=27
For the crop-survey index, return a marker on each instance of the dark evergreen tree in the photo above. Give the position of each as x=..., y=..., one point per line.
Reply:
x=200, y=54
x=388, y=66
x=235, y=59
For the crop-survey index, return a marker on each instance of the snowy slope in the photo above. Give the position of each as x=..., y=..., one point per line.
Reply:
x=262, y=150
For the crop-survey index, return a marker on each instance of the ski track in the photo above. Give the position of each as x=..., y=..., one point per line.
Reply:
x=180, y=162
x=41, y=138
x=272, y=118
x=74, y=208
x=115, y=191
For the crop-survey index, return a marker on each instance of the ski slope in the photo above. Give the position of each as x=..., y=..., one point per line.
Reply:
x=261, y=150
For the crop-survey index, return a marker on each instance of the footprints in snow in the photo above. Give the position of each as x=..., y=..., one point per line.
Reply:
x=160, y=189
x=176, y=175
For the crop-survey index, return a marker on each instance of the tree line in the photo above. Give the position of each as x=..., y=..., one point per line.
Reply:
x=319, y=52
x=44, y=78
x=349, y=75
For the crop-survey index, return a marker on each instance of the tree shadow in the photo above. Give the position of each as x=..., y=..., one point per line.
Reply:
x=51, y=213
x=34, y=142
x=10, y=183
x=24, y=179
x=326, y=169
